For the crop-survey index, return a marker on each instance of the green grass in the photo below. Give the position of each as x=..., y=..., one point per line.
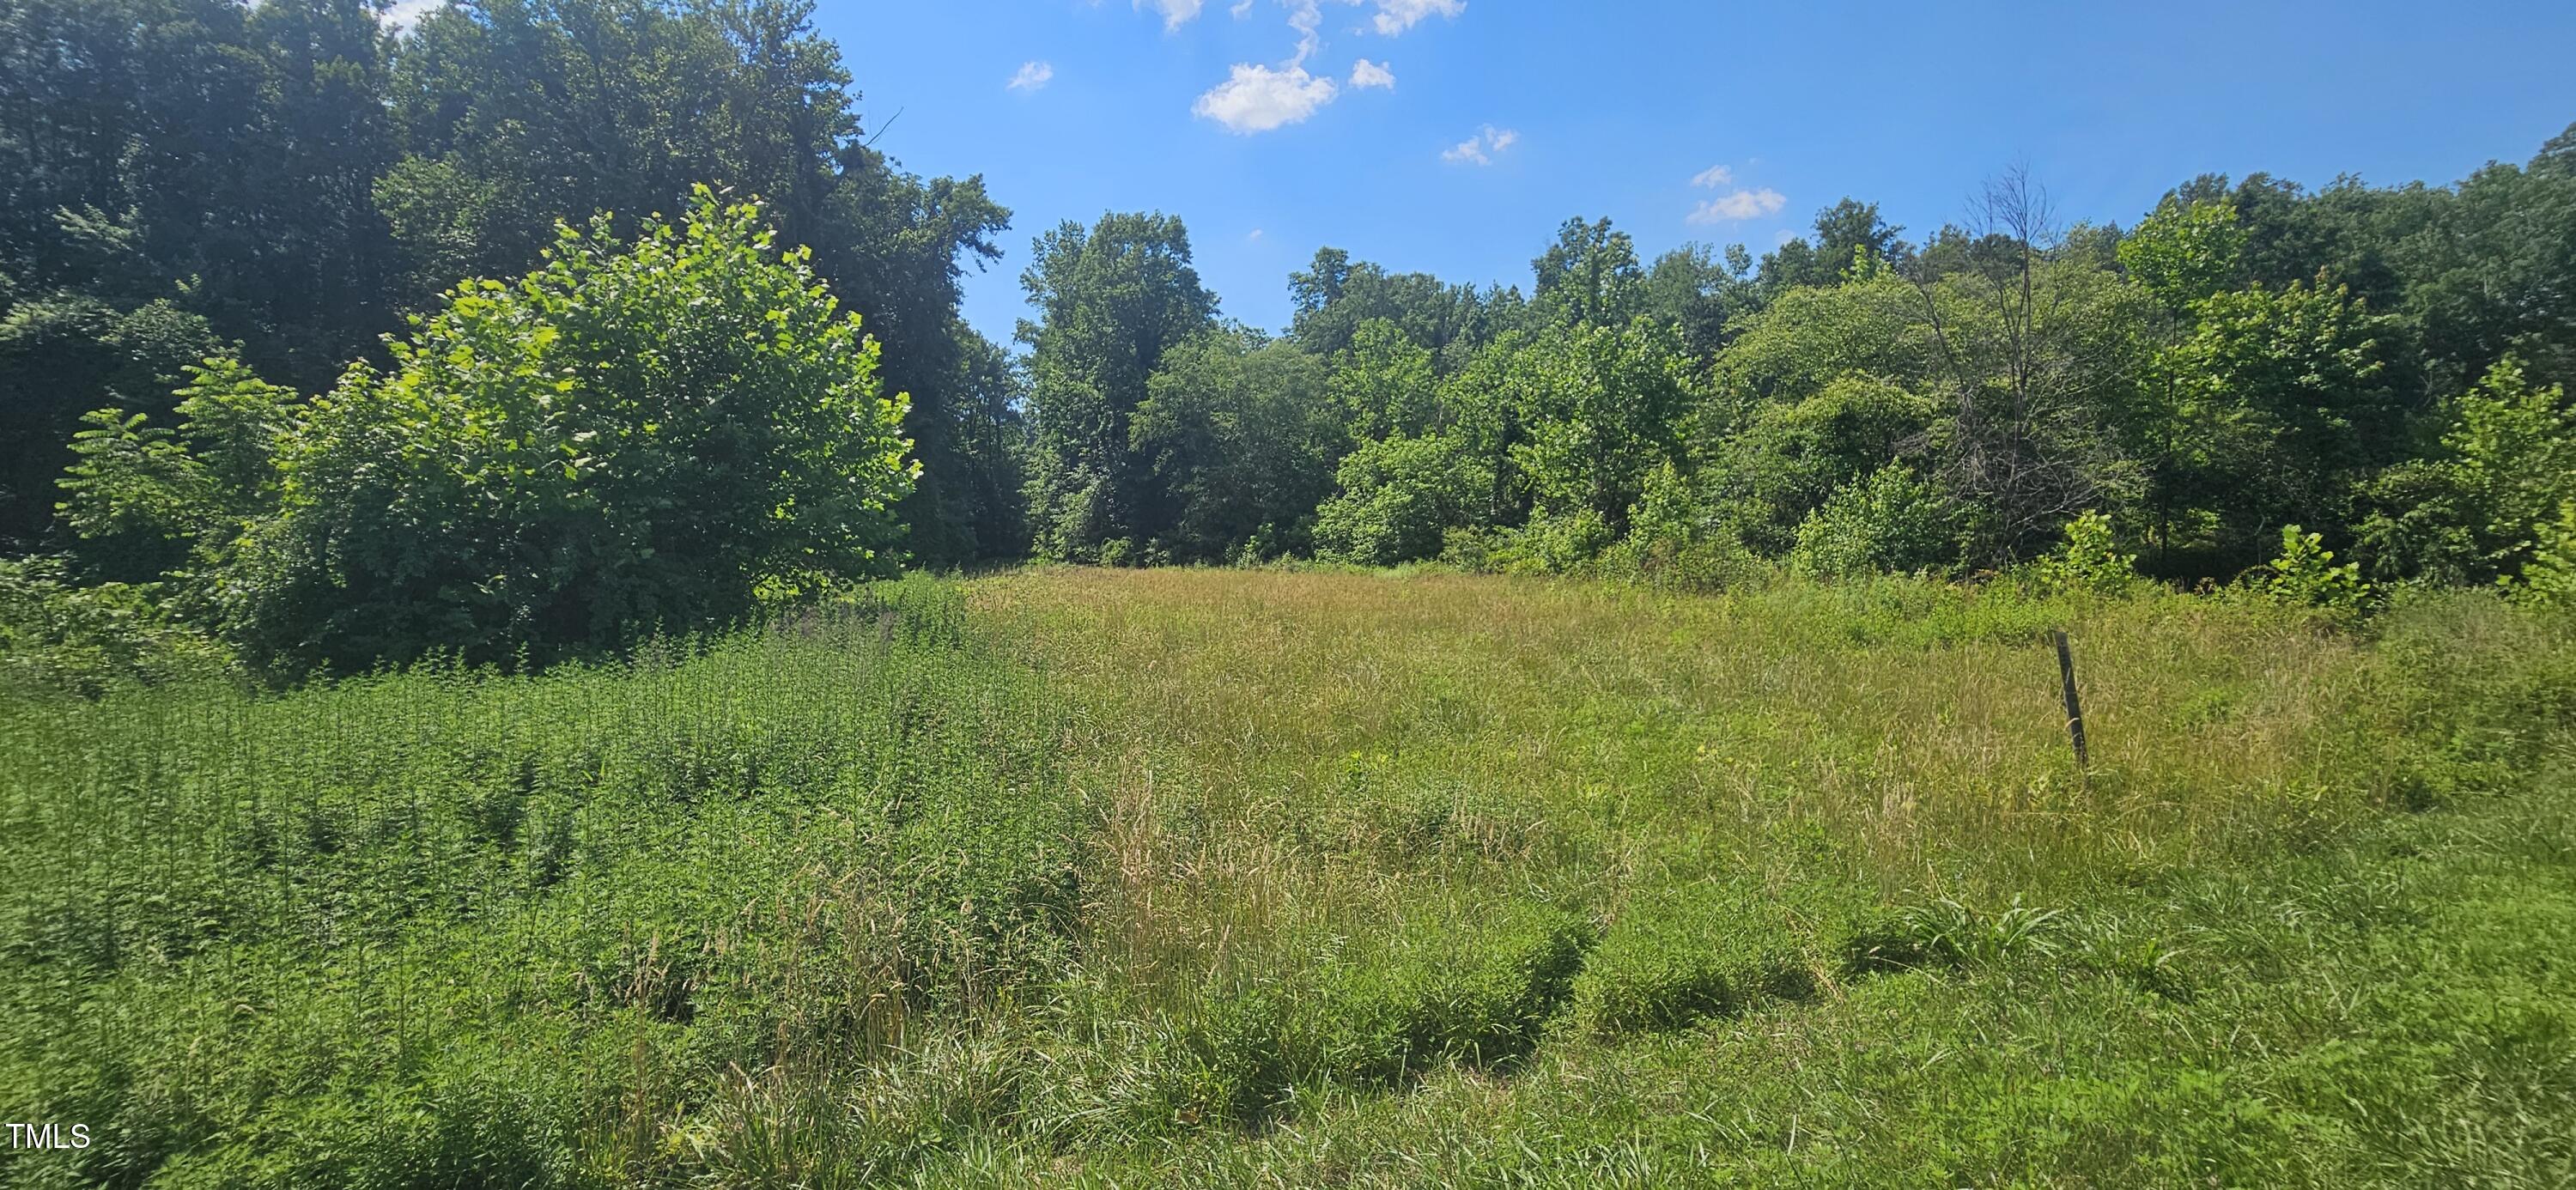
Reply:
x=1270, y=878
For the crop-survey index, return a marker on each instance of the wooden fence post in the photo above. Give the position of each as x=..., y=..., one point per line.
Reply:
x=2074, y=707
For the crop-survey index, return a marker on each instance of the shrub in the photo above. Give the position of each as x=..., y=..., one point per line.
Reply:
x=2090, y=560
x=143, y=502
x=86, y=640
x=2550, y=577
x=1397, y=497
x=1551, y=544
x=1676, y=539
x=1890, y=522
x=2471, y=514
x=2305, y=576
x=630, y=437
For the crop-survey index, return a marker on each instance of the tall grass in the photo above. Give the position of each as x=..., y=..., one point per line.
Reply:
x=1290, y=878
x=1282, y=753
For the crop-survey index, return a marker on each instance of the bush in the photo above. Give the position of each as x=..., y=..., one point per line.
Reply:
x=2090, y=560
x=1397, y=498
x=144, y=502
x=2305, y=576
x=1681, y=955
x=631, y=437
x=1564, y=543
x=1675, y=539
x=1890, y=522
x=2550, y=577
x=87, y=640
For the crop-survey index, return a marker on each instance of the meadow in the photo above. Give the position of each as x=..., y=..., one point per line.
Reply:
x=1296, y=877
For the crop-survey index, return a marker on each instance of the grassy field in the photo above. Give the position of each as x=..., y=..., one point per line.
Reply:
x=1264, y=878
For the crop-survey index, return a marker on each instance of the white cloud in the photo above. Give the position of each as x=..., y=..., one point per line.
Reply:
x=1481, y=148
x=1255, y=237
x=1258, y=99
x=1032, y=76
x=406, y=13
x=1396, y=16
x=1740, y=206
x=1713, y=177
x=1176, y=13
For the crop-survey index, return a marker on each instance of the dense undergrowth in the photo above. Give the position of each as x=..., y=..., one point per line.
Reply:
x=1260, y=877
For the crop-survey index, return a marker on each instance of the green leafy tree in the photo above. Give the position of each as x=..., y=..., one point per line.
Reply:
x=1702, y=293
x=1242, y=441
x=144, y=502
x=2471, y=513
x=518, y=113
x=179, y=178
x=2186, y=254
x=1398, y=498
x=1849, y=238
x=1598, y=406
x=1589, y=277
x=1334, y=296
x=1784, y=459
x=2282, y=404
x=2489, y=270
x=1808, y=338
x=1382, y=383
x=1112, y=299
x=636, y=436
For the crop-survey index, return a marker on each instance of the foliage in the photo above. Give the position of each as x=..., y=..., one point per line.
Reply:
x=1597, y=409
x=89, y=639
x=1397, y=499
x=2090, y=560
x=1784, y=460
x=1241, y=441
x=1888, y=522
x=1678, y=537
x=1381, y=385
x=278, y=181
x=2283, y=404
x=1116, y=297
x=2185, y=254
x=634, y=436
x=2550, y=578
x=2471, y=513
x=145, y=502
x=2304, y=575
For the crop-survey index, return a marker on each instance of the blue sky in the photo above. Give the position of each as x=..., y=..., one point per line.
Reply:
x=1478, y=125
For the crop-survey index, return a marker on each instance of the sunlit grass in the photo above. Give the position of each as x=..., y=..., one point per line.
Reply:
x=1277, y=877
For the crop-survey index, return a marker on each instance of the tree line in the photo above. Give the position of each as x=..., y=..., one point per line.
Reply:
x=2383, y=367
x=530, y=327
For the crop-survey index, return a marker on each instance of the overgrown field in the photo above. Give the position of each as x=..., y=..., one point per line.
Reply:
x=1270, y=878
